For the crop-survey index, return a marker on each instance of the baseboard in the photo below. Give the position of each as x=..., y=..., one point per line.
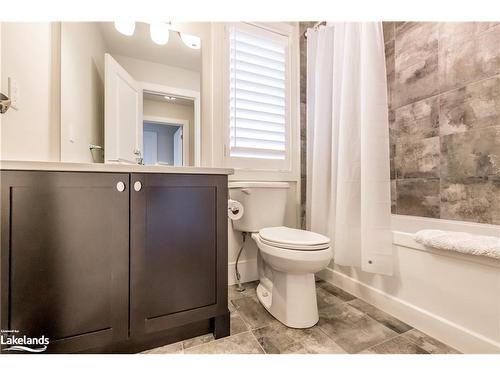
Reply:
x=248, y=271
x=436, y=326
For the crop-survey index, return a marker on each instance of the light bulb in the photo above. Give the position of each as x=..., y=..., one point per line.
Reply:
x=125, y=27
x=191, y=41
x=159, y=32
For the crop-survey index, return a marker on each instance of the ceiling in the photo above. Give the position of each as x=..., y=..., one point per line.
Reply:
x=140, y=46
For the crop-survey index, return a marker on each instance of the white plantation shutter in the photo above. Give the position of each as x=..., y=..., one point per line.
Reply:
x=258, y=117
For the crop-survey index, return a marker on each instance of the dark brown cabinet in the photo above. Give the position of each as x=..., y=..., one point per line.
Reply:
x=177, y=239
x=65, y=257
x=95, y=268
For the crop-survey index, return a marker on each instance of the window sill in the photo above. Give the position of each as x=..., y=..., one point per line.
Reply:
x=265, y=175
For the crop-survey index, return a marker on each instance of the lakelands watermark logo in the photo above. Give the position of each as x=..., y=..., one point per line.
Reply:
x=16, y=343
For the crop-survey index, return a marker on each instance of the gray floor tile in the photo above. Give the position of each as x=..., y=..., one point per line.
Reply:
x=252, y=312
x=337, y=292
x=279, y=339
x=244, y=343
x=175, y=348
x=250, y=287
x=353, y=330
x=326, y=299
x=428, y=343
x=196, y=341
x=397, y=345
x=352, y=327
x=237, y=324
x=380, y=316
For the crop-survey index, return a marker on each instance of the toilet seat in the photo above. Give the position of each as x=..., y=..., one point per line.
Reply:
x=293, y=239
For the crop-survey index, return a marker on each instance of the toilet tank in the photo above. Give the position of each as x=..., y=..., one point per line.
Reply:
x=264, y=204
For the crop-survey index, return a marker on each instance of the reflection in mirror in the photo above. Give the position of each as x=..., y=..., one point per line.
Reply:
x=135, y=90
x=166, y=136
x=104, y=91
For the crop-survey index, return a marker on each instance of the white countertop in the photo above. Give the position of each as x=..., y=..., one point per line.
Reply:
x=101, y=167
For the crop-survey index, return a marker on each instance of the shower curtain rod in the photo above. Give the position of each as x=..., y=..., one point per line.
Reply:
x=315, y=26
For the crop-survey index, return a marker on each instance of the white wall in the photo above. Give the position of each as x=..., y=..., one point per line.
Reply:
x=30, y=55
x=82, y=91
x=160, y=74
x=177, y=111
x=450, y=296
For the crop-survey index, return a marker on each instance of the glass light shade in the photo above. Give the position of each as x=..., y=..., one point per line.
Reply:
x=125, y=27
x=159, y=32
x=191, y=41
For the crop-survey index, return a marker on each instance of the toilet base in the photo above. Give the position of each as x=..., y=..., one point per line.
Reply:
x=290, y=298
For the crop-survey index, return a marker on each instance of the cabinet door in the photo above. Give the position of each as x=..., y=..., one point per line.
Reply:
x=65, y=257
x=178, y=250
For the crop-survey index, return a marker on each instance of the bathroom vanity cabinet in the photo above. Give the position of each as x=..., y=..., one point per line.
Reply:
x=113, y=261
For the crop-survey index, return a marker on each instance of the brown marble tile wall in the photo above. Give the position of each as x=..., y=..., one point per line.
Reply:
x=303, y=108
x=444, y=113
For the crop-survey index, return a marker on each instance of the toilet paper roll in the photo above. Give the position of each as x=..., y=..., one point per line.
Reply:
x=235, y=209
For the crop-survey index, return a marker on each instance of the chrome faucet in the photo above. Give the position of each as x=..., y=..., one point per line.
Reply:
x=4, y=103
x=139, y=159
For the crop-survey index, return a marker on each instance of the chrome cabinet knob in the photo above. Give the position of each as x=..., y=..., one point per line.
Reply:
x=120, y=186
x=137, y=186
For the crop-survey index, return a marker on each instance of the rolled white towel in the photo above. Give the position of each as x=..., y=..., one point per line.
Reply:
x=461, y=242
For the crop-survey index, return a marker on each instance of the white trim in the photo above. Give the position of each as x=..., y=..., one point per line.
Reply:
x=442, y=329
x=276, y=27
x=185, y=93
x=248, y=270
x=185, y=132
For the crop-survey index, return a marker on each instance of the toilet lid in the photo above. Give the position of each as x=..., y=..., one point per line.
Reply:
x=294, y=239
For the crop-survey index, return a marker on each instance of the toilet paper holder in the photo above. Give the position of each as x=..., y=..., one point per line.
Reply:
x=234, y=209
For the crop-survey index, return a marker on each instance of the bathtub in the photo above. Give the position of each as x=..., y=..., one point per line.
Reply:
x=451, y=296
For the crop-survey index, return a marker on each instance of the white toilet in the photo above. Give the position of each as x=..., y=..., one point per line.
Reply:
x=289, y=257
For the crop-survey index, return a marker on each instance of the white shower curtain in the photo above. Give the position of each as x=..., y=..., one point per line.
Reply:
x=348, y=177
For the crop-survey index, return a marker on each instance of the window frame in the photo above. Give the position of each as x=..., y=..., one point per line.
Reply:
x=259, y=29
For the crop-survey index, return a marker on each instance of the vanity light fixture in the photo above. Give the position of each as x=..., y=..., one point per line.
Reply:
x=125, y=27
x=159, y=32
x=168, y=97
x=191, y=41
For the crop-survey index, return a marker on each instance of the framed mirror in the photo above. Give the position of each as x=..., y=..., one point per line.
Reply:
x=145, y=78
x=118, y=92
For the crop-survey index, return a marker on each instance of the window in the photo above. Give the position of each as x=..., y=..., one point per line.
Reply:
x=258, y=107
